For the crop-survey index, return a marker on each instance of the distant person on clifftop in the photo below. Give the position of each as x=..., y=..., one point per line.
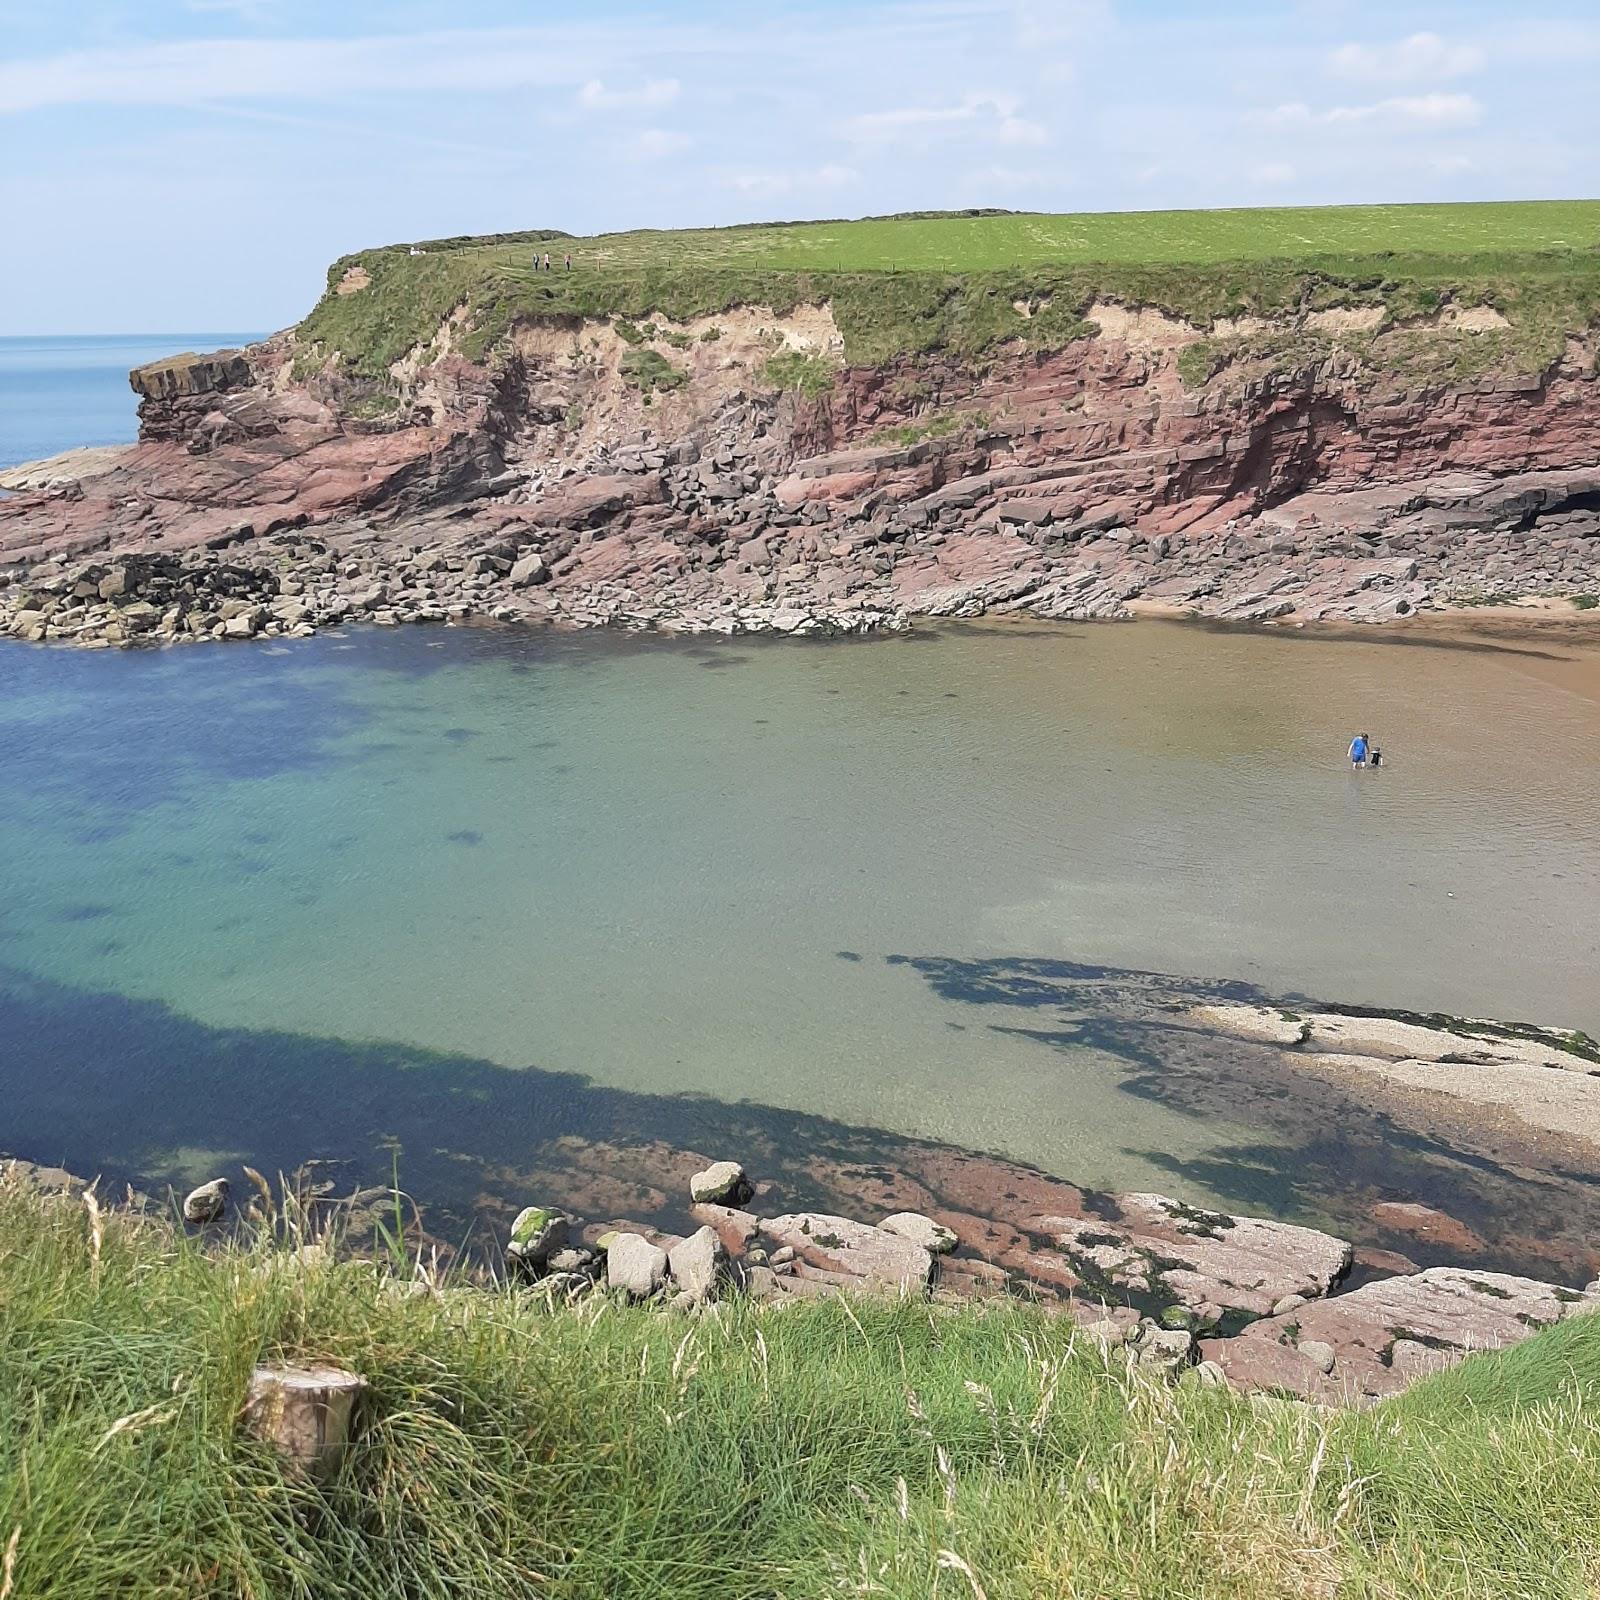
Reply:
x=569, y=261
x=547, y=261
x=1358, y=750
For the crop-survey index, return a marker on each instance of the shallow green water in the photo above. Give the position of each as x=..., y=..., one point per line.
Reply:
x=783, y=873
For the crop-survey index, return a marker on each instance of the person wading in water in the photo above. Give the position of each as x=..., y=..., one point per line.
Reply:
x=1358, y=750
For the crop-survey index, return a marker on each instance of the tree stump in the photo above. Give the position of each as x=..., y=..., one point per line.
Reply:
x=304, y=1413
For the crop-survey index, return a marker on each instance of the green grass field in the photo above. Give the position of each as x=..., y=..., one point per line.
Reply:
x=905, y=1451
x=905, y=286
x=1153, y=238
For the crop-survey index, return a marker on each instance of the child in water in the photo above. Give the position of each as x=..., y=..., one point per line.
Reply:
x=1376, y=758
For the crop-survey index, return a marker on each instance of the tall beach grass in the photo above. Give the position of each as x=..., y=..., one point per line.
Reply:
x=509, y=1449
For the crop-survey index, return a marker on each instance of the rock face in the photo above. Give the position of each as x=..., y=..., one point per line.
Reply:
x=1374, y=1340
x=1214, y=1263
x=934, y=1237
x=1079, y=482
x=872, y=1257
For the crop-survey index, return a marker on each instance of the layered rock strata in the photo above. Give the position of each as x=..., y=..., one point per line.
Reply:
x=1343, y=481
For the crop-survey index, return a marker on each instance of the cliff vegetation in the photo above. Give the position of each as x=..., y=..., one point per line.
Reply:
x=964, y=283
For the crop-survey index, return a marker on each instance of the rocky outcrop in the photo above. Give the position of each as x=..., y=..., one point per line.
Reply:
x=1378, y=1338
x=1338, y=482
x=1148, y=1274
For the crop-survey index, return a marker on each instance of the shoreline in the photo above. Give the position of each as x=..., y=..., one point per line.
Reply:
x=1255, y=1304
x=61, y=608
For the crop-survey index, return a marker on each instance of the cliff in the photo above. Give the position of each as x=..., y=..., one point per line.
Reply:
x=650, y=441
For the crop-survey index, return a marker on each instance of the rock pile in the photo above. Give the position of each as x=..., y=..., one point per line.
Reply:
x=1250, y=1302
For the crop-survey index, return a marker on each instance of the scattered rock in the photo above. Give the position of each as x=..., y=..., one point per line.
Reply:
x=635, y=1266
x=207, y=1203
x=1168, y=1351
x=722, y=1183
x=1320, y=1355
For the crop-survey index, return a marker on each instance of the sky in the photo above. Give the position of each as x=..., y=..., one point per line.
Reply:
x=188, y=165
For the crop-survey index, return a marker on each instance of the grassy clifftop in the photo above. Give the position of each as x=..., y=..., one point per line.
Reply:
x=512, y=1450
x=964, y=282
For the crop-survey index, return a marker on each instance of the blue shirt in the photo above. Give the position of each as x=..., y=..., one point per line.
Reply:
x=1358, y=748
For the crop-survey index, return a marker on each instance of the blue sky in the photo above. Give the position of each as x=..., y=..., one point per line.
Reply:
x=173, y=165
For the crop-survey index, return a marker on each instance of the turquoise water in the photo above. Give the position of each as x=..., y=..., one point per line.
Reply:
x=468, y=891
x=57, y=392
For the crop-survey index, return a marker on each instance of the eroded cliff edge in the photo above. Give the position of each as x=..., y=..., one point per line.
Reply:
x=1356, y=449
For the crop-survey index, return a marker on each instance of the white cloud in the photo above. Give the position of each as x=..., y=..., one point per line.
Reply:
x=1426, y=110
x=659, y=92
x=477, y=61
x=1014, y=180
x=655, y=144
x=829, y=176
x=1423, y=58
x=988, y=116
x=251, y=10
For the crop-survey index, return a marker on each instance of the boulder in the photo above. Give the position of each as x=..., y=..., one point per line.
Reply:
x=934, y=1237
x=529, y=570
x=698, y=1264
x=722, y=1183
x=207, y=1203
x=538, y=1233
x=635, y=1266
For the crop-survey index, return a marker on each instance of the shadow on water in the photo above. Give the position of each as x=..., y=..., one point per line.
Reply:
x=129, y=1089
x=1328, y=1149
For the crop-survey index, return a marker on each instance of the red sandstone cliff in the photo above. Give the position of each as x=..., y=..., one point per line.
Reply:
x=1331, y=470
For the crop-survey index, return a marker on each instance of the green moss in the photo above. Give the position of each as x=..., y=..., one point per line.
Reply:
x=938, y=425
x=649, y=370
x=809, y=375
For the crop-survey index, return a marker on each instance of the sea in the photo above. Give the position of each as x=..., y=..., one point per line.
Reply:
x=442, y=901
x=60, y=392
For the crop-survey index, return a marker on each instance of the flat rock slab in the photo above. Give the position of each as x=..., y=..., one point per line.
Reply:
x=1206, y=1260
x=854, y=1250
x=1385, y=1334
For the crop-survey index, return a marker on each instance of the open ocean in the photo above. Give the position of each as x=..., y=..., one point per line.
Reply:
x=60, y=391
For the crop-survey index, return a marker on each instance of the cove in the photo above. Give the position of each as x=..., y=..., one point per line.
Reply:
x=598, y=887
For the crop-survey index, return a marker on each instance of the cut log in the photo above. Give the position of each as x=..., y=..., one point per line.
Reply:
x=304, y=1413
